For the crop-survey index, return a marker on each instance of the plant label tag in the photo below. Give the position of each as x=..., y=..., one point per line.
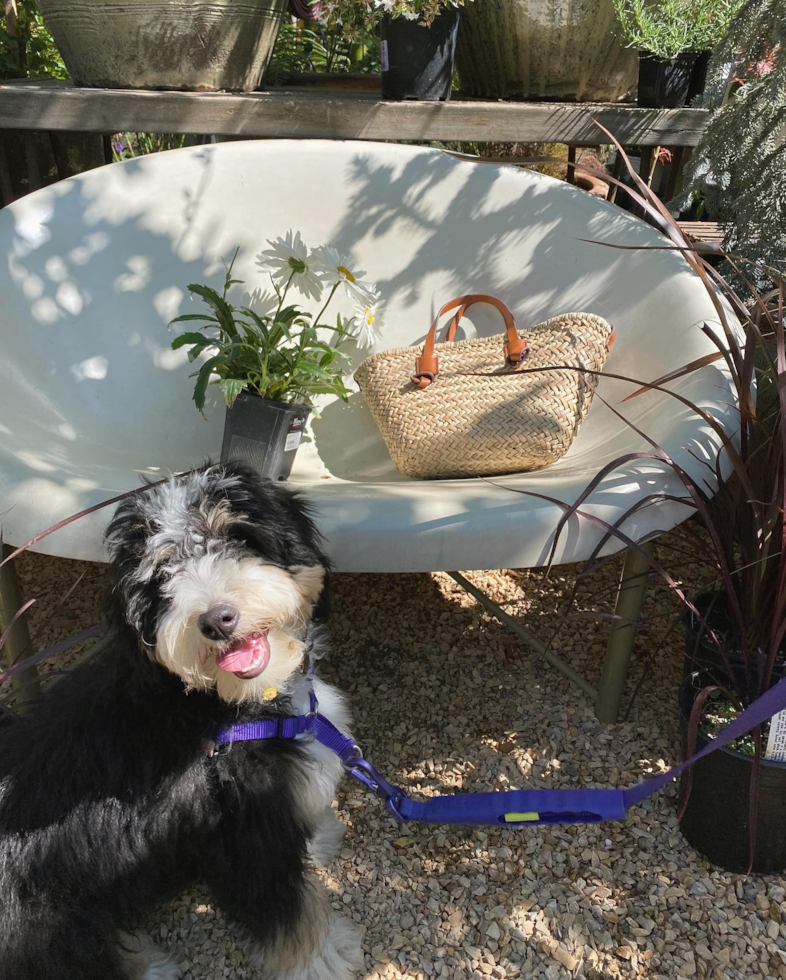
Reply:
x=292, y=441
x=385, y=57
x=294, y=435
x=776, y=742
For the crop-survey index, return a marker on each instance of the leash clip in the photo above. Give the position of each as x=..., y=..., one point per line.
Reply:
x=392, y=805
x=362, y=770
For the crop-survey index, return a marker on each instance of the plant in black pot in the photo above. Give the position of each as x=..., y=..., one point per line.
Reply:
x=418, y=42
x=271, y=359
x=674, y=39
x=732, y=801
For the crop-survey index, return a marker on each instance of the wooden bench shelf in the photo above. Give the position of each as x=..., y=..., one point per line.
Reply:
x=323, y=114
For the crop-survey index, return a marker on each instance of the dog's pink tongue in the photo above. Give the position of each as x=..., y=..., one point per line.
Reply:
x=251, y=653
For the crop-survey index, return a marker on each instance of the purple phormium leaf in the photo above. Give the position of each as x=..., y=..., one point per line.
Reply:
x=584, y=168
x=690, y=748
x=53, y=651
x=669, y=225
x=83, y=513
x=699, y=501
x=713, y=423
x=58, y=605
x=753, y=801
x=689, y=368
x=624, y=538
x=778, y=624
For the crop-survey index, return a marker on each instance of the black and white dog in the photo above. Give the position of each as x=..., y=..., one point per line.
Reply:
x=113, y=796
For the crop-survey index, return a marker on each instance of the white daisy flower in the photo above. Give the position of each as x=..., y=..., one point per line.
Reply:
x=335, y=269
x=288, y=258
x=368, y=323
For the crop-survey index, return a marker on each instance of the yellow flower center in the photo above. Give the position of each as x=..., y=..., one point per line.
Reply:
x=346, y=273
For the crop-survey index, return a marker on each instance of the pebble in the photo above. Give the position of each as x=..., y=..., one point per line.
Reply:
x=620, y=901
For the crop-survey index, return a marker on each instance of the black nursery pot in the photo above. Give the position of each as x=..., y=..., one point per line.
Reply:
x=716, y=818
x=698, y=77
x=666, y=84
x=417, y=61
x=264, y=434
x=702, y=654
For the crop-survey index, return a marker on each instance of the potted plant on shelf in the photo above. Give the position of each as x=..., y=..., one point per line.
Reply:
x=203, y=45
x=418, y=42
x=533, y=49
x=271, y=359
x=674, y=39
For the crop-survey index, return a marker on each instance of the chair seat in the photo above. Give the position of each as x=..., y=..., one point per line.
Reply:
x=93, y=400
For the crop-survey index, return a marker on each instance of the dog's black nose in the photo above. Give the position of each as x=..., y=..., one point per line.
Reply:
x=219, y=622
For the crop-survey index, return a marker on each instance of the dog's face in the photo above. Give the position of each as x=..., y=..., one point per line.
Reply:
x=218, y=573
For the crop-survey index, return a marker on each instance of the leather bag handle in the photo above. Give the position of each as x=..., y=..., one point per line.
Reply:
x=427, y=365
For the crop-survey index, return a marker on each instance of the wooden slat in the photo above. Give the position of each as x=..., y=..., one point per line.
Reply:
x=703, y=231
x=303, y=113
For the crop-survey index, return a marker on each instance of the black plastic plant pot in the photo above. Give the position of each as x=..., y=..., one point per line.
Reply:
x=728, y=667
x=417, y=61
x=665, y=84
x=264, y=434
x=716, y=821
x=698, y=77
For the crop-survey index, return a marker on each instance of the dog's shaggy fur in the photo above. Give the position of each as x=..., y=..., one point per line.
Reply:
x=113, y=796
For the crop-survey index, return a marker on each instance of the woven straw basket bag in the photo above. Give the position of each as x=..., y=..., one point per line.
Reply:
x=482, y=407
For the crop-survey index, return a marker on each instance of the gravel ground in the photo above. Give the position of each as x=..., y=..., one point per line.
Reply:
x=445, y=698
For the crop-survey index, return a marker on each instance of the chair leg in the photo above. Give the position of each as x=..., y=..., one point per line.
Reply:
x=531, y=641
x=17, y=646
x=630, y=598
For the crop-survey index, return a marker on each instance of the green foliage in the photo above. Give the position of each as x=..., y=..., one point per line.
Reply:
x=362, y=16
x=666, y=28
x=29, y=51
x=739, y=167
x=281, y=357
x=302, y=50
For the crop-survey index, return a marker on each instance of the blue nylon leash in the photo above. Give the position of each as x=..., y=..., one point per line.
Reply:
x=517, y=807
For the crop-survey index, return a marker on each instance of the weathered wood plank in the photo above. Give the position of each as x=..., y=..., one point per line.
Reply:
x=311, y=114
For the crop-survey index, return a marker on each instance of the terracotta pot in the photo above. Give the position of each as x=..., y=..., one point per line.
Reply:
x=532, y=49
x=202, y=45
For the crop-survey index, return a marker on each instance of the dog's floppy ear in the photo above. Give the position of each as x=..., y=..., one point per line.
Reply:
x=312, y=580
x=280, y=521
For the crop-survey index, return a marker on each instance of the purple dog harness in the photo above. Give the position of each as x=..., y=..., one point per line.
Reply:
x=516, y=807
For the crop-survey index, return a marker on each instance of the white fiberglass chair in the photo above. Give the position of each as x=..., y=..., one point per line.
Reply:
x=93, y=399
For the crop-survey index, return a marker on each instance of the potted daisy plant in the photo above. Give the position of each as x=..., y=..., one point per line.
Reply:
x=270, y=358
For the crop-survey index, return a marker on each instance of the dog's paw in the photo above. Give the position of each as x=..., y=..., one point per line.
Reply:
x=326, y=842
x=340, y=957
x=143, y=960
x=162, y=967
x=345, y=945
